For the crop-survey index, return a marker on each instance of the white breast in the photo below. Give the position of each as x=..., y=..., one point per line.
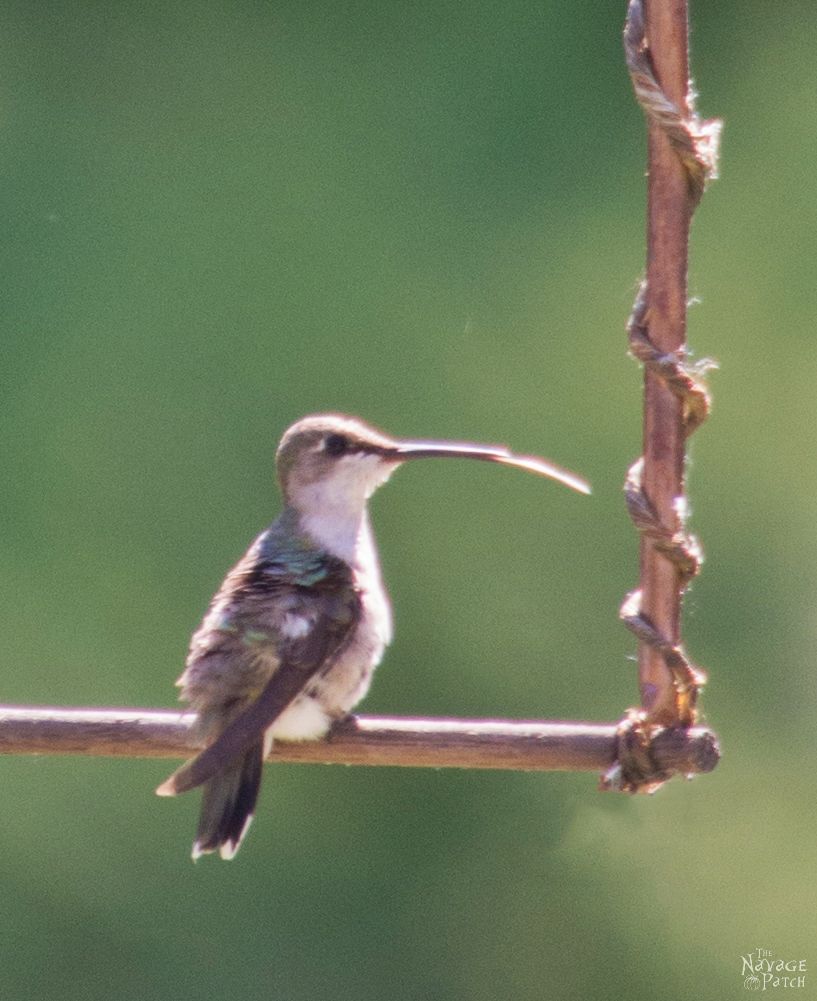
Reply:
x=333, y=694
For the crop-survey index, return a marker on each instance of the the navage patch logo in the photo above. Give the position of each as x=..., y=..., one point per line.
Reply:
x=763, y=971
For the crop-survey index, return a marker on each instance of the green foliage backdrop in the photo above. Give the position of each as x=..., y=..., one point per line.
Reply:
x=220, y=216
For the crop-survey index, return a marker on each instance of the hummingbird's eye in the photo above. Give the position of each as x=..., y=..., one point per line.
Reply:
x=335, y=444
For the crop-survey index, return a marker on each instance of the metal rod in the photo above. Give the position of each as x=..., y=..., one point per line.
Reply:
x=366, y=740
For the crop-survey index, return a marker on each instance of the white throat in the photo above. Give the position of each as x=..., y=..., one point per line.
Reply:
x=333, y=509
x=340, y=536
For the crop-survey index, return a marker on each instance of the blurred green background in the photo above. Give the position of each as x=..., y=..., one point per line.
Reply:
x=221, y=216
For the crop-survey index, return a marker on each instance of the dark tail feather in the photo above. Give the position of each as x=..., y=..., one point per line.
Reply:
x=227, y=805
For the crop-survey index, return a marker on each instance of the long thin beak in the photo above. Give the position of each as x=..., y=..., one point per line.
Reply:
x=490, y=453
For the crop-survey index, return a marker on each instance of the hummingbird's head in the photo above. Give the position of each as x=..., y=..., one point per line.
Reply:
x=328, y=462
x=331, y=460
x=329, y=465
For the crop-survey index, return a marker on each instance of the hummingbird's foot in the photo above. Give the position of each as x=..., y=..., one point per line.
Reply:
x=345, y=724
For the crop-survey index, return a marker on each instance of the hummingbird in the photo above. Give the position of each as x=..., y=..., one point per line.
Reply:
x=291, y=639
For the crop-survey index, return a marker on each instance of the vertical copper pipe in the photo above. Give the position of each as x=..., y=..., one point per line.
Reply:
x=669, y=212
